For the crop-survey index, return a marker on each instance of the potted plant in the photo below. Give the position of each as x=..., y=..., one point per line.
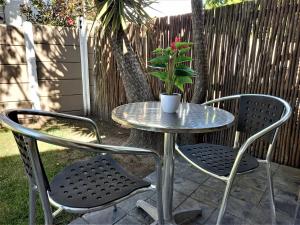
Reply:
x=170, y=66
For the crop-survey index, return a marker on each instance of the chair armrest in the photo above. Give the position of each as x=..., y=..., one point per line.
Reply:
x=113, y=149
x=62, y=116
x=221, y=99
x=68, y=143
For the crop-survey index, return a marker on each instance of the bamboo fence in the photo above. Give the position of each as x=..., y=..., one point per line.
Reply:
x=252, y=47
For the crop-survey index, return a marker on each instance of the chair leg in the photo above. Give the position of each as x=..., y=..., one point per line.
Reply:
x=224, y=201
x=32, y=204
x=271, y=192
x=47, y=214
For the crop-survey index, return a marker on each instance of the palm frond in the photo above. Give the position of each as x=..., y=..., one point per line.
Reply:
x=114, y=14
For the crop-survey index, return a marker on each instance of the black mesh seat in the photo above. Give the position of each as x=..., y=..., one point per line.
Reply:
x=93, y=182
x=217, y=159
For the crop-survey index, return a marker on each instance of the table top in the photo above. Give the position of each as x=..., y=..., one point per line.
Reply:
x=189, y=118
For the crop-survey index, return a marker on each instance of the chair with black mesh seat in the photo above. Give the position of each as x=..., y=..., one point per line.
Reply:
x=84, y=186
x=259, y=116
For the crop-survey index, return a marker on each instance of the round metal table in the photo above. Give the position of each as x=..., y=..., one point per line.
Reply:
x=189, y=118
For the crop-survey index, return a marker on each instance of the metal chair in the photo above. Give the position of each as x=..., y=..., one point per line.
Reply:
x=84, y=186
x=259, y=116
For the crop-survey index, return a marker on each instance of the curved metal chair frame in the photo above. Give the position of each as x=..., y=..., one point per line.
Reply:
x=242, y=149
x=38, y=184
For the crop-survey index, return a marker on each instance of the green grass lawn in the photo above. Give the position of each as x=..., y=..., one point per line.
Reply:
x=13, y=181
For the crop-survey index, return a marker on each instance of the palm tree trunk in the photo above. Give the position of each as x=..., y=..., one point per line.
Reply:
x=136, y=87
x=133, y=77
x=199, y=52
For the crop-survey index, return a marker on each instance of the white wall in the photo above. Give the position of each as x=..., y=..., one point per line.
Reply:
x=12, y=12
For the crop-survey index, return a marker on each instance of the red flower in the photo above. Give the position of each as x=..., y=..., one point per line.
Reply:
x=173, y=44
x=177, y=39
x=70, y=21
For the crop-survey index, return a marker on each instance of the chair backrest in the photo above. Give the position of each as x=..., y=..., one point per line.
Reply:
x=257, y=112
x=24, y=149
x=259, y=115
x=26, y=140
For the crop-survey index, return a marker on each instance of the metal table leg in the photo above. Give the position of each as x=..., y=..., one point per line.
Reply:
x=167, y=189
x=179, y=217
x=168, y=175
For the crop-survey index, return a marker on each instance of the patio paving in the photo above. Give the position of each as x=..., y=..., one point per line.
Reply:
x=248, y=202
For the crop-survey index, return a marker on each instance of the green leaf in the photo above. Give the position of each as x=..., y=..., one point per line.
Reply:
x=181, y=81
x=184, y=71
x=184, y=51
x=183, y=44
x=182, y=59
x=104, y=9
x=116, y=14
x=158, y=51
x=167, y=51
x=161, y=75
x=160, y=60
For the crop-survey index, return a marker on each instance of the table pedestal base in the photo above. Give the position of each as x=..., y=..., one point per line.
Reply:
x=187, y=216
x=179, y=218
x=149, y=209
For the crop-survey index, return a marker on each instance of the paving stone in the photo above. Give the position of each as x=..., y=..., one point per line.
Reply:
x=286, y=179
x=181, y=164
x=178, y=198
x=282, y=219
x=262, y=216
x=151, y=177
x=207, y=194
x=285, y=182
x=261, y=171
x=191, y=174
x=129, y=220
x=282, y=206
x=238, y=207
x=185, y=186
x=197, y=176
x=257, y=215
x=289, y=172
x=297, y=210
x=247, y=194
x=228, y=219
x=297, y=222
x=79, y=221
x=285, y=193
x=106, y=216
x=215, y=184
x=253, y=182
x=189, y=204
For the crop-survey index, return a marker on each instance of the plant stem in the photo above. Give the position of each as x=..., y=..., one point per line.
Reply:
x=171, y=76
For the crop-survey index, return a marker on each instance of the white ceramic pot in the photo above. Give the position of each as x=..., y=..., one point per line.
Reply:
x=170, y=103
